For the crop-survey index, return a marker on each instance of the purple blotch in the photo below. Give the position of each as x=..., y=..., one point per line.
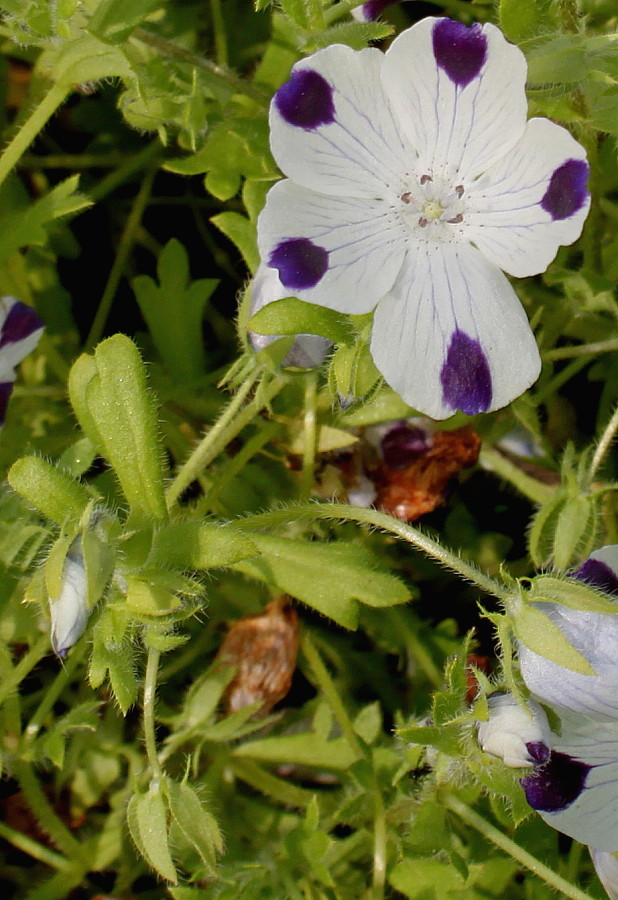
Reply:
x=306, y=100
x=6, y=389
x=599, y=574
x=465, y=376
x=459, y=50
x=20, y=323
x=402, y=444
x=567, y=190
x=538, y=751
x=300, y=263
x=374, y=8
x=557, y=784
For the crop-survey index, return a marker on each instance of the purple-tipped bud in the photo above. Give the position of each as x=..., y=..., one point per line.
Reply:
x=519, y=737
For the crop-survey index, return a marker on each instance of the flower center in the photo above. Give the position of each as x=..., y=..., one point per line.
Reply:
x=433, y=202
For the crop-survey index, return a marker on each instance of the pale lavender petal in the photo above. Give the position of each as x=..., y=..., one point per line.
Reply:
x=343, y=253
x=606, y=866
x=20, y=332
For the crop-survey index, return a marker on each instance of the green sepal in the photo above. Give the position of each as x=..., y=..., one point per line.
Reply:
x=54, y=565
x=116, y=410
x=570, y=593
x=60, y=498
x=537, y=631
x=446, y=738
x=147, y=821
x=292, y=316
x=99, y=559
x=197, y=825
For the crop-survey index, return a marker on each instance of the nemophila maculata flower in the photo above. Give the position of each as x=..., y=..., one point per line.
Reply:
x=308, y=350
x=413, y=183
x=520, y=737
x=20, y=332
x=576, y=789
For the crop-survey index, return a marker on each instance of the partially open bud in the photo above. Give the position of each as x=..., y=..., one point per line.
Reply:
x=308, y=350
x=517, y=736
x=69, y=612
x=606, y=866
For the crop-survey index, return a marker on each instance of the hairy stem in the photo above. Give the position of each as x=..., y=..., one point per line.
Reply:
x=604, y=444
x=150, y=695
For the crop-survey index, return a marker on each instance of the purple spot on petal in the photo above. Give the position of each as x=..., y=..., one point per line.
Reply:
x=567, y=191
x=599, y=574
x=300, y=262
x=459, y=50
x=402, y=444
x=465, y=376
x=306, y=100
x=6, y=389
x=557, y=784
x=538, y=751
x=371, y=10
x=20, y=323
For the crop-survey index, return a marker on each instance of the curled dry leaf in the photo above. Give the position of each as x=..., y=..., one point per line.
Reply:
x=263, y=649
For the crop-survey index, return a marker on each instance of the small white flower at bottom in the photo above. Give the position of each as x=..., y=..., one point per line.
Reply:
x=69, y=611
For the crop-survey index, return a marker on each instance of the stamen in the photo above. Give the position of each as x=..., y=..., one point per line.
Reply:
x=456, y=219
x=425, y=178
x=423, y=222
x=407, y=197
x=459, y=190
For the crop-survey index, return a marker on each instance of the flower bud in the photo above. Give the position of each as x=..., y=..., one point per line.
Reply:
x=308, y=350
x=515, y=735
x=69, y=612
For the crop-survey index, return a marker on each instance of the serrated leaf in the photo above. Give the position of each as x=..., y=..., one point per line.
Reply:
x=292, y=316
x=537, y=631
x=354, y=34
x=86, y=58
x=242, y=233
x=446, y=738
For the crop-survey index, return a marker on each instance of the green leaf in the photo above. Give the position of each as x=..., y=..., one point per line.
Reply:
x=112, y=655
x=576, y=529
x=328, y=577
x=86, y=58
x=292, y=316
x=173, y=310
x=55, y=494
x=521, y=19
x=446, y=738
x=537, y=631
x=354, y=34
x=116, y=409
x=147, y=820
x=29, y=226
x=198, y=826
x=99, y=562
x=422, y=879
x=242, y=233
x=114, y=20
x=200, y=545
x=307, y=749
x=557, y=60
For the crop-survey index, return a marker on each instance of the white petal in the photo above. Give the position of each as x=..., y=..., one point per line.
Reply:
x=595, y=635
x=443, y=291
x=606, y=866
x=504, y=215
x=69, y=612
x=518, y=736
x=362, y=244
x=20, y=332
x=456, y=128
x=345, y=140
x=592, y=816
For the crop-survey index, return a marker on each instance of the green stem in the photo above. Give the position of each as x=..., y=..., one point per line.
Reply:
x=150, y=694
x=31, y=128
x=53, y=692
x=499, y=839
x=238, y=462
x=173, y=51
x=144, y=159
x=554, y=385
x=384, y=522
x=33, y=848
x=230, y=424
x=535, y=490
x=218, y=24
x=591, y=349
x=44, y=813
x=569, y=16
x=417, y=648
x=327, y=686
x=604, y=444
x=379, y=842
x=124, y=249
x=23, y=667
x=310, y=432
x=276, y=788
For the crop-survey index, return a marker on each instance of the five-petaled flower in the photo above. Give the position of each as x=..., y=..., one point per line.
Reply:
x=413, y=183
x=20, y=332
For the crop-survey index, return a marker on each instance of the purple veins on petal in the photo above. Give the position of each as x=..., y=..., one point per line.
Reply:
x=567, y=190
x=6, y=389
x=20, y=323
x=465, y=376
x=306, y=100
x=538, y=751
x=598, y=574
x=300, y=262
x=557, y=784
x=402, y=444
x=459, y=50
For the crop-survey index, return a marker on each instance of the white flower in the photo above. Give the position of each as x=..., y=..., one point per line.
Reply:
x=576, y=791
x=606, y=866
x=308, y=350
x=515, y=735
x=20, y=332
x=69, y=611
x=413, y=179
